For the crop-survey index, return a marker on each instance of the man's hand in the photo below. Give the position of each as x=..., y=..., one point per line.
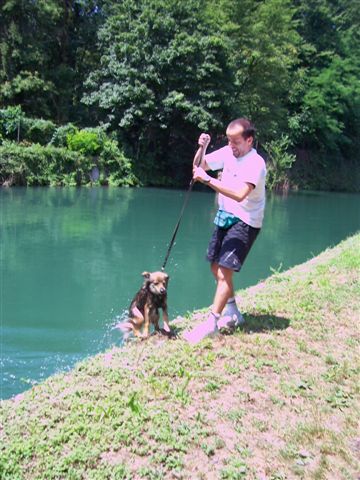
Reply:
x=204, y=140
x=199, y=175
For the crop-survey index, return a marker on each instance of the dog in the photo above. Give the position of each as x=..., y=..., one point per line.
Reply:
x=144, y=308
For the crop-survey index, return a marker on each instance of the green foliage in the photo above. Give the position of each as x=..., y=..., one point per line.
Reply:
x=91, y=146
x=163, y=74
x=48, y=165
x=26, y=46
x=264, y=50
x=38, y=165
x=37, y=130
x=328, y=99
x=46, y=49
x=10, y=119
x=333, y=98
x=235, y=470
x=84, y=141
x=14, y=125
x=279, y=162
x=117, y=166
x=157, y=72
x=59, y=138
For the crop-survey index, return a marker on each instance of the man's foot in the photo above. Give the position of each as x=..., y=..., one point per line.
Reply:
x=204, y=329
x=230, y=318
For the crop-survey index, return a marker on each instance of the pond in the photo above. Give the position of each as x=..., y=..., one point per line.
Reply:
x=71, y=261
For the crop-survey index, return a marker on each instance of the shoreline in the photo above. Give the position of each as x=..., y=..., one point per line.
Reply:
x=277, y=399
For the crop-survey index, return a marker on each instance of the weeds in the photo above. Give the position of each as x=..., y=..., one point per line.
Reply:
x=280, y=395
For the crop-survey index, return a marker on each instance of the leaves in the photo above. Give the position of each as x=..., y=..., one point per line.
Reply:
x=161, y=74
x=158, y=72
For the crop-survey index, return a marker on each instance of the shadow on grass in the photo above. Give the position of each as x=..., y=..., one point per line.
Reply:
x=264, y=323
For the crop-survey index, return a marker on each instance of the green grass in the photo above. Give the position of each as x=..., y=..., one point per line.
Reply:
x=278, y=399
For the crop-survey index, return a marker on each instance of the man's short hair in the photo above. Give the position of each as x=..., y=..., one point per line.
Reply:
x=249, y=129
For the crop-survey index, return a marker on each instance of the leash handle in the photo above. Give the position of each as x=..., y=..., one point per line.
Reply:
x=197, y=161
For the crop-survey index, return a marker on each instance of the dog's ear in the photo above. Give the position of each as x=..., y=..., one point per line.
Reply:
x=146, y=274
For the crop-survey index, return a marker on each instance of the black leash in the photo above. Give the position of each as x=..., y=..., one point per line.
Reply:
x=187, y=196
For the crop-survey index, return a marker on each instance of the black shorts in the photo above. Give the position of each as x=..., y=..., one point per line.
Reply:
x=229, y=247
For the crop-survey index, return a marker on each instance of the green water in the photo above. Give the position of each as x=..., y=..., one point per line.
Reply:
x=71, y=261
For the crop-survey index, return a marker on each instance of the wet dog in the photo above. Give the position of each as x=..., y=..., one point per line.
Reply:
x=144, y=309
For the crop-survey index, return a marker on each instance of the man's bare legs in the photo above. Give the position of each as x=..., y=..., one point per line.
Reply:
x=224, y=300
x=224, y=287
x=224, y=291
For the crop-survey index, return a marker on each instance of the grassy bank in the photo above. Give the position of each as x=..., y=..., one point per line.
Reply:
x=276, y=400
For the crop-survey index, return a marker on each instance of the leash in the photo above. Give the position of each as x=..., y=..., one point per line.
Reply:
x=186, y=199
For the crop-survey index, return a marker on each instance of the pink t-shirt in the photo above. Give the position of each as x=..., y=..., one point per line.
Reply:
x=236, y=171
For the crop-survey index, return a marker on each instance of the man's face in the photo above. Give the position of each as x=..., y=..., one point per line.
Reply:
x=237, y=143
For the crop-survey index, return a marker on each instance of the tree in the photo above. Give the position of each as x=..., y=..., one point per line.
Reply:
x=47, y=48
x=26, y=48
x=328, y=107
x=163, y=75
x=264, y=56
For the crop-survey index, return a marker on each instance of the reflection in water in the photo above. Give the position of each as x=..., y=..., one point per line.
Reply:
x=72, y=260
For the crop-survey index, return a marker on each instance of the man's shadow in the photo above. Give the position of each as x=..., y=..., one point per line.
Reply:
x=264, y=323
x=253, y=324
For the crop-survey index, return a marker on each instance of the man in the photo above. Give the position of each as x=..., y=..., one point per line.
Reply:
x=238, y=221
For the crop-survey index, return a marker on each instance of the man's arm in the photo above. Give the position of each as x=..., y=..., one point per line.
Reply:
x=238, y=195
x=199, y=159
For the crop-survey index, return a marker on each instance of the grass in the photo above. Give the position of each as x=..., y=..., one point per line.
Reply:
x=278, y=399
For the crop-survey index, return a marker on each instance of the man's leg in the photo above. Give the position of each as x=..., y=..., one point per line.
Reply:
x=214, y=268
x=224, y=287
x=224, y=290
x=224, y=301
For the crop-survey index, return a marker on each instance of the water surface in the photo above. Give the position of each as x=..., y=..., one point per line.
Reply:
x=71, y=261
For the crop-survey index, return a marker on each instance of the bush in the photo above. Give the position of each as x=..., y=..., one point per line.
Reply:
x=37, y=130
x=10, y=120
x=86, y=141
x=14, y=125
x=116, y=166
x=59, y=138
x=70, y=156
x=39, y=165
x=279, y=163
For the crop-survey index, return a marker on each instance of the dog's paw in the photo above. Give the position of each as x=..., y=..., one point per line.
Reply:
x=170, y=334
x=144, y=336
